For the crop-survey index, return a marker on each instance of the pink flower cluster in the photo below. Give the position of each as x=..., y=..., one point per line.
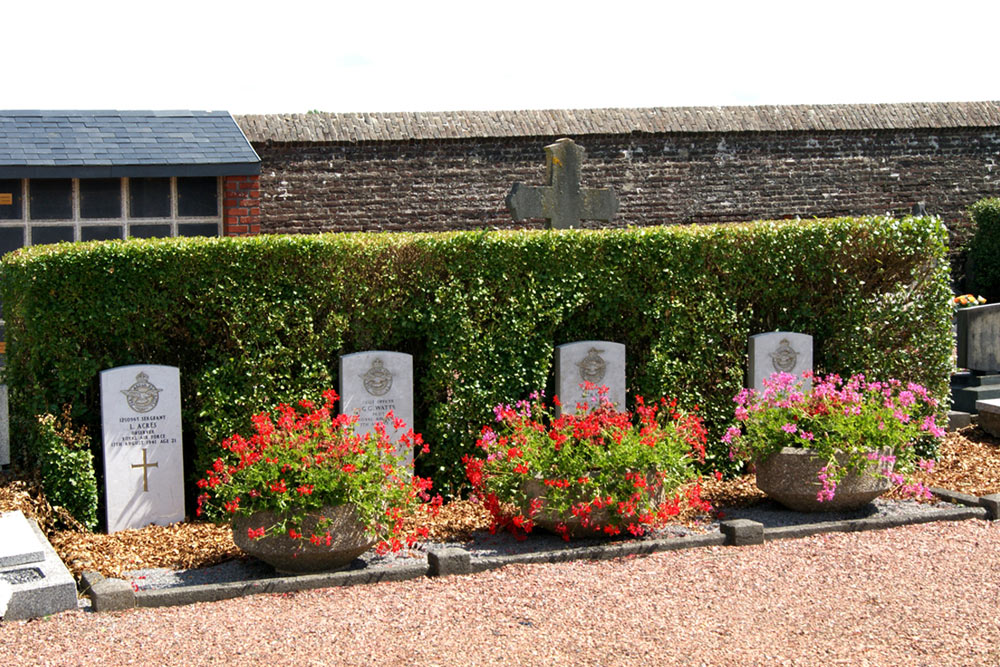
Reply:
x=858, y=417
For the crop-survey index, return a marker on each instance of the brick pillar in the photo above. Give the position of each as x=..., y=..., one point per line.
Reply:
x=240, y=205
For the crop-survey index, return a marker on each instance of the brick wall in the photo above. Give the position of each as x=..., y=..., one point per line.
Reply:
x=667, y=178
x=240, y=205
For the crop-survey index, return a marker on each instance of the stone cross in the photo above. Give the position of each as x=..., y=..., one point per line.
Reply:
x=563, y=203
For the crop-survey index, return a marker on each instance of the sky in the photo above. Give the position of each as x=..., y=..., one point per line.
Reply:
x=292, y=56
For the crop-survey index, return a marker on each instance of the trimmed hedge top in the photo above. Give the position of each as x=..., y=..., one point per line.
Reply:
x=254, y=321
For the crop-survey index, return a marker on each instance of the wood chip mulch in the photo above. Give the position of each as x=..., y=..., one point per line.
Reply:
x=969, y=462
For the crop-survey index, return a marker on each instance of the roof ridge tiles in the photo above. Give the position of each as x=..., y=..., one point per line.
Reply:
x=405, y=126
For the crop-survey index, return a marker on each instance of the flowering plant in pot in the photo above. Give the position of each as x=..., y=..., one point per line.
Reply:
x=306, y=493
x=856, y=431
x=594, y=471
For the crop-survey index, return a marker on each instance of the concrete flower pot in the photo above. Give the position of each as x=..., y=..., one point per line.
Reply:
x=789, y=477
x=548, y=519
x=301, y=556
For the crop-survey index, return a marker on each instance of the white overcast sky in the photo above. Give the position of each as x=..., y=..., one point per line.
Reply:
x=287, y=56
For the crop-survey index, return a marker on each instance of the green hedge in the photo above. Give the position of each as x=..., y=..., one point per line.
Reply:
x=66, y=464
x=253, y=321
x=984, y=249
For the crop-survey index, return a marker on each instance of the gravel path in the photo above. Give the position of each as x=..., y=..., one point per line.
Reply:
x=917, y=595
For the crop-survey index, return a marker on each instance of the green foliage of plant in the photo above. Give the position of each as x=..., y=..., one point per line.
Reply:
x=67, y=466
x=874, y=425
x=984, y=248
x=300, y=461
x=258, y=321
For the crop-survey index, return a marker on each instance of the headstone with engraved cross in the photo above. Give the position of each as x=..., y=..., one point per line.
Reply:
x=563, y=203
x=143, y=455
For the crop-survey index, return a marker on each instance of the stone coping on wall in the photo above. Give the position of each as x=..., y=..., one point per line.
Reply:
x=450, y=559
x=407, y=126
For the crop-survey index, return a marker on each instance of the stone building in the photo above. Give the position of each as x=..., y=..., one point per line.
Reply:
x=99, y=175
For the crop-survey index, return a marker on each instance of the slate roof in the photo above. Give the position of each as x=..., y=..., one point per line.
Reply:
x=94, y=144
x=404, y=126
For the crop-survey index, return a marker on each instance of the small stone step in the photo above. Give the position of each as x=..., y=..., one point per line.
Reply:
x=964, y=400
x=962, y=378
x=986, y=380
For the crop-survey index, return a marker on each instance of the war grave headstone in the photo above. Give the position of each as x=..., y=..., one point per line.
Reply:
x=600, y=362
x=4, y=427
x=778, y=352
x=563, y=203
x=978, y=346
x=374, y=382
x=143, y=451
x=34, y=582
x=978, y=331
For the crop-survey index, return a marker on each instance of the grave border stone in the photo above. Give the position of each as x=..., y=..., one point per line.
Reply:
x=38, y=588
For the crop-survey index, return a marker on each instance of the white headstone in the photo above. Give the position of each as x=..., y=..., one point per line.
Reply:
x=4, y=427
x=374, y=383
x=979, y=337
x=600, y=362
x=18, y=544
x=143, y=452
x=778, y=352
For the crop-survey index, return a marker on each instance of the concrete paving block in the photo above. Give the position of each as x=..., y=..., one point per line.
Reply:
x=742, y=532
x=451, y=560
x=112, y=595
x=992, y=505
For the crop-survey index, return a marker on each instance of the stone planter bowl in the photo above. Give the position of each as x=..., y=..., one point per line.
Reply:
x=789, y=477
x=548, y=519
x=301, y=556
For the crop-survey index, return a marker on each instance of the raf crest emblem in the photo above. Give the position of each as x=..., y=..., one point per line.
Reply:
x=784, y=357
x=143, y=395
x=377, y=379
x=592, y=367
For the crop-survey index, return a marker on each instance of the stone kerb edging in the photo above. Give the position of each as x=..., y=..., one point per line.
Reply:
x=117, y=594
